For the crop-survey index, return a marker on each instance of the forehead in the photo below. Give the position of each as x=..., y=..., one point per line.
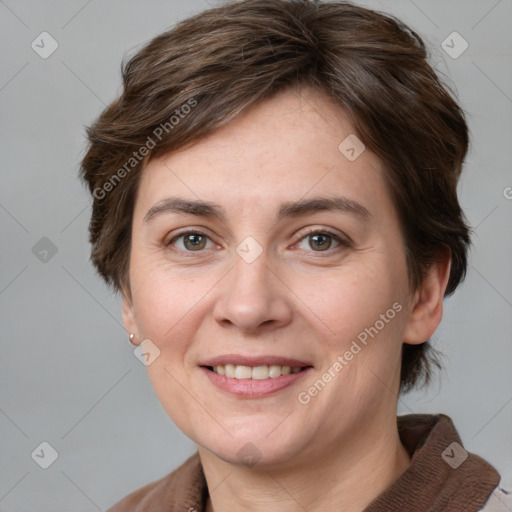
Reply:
x=283, y=148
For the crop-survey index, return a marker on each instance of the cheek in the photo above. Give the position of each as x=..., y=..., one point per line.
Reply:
x=168, y=310
x=164, y=303
x=348, y=300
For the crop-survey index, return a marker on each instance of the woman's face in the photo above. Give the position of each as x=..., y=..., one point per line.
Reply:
x=262, y=247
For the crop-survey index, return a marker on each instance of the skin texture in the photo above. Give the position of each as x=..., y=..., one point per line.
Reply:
x=341, y=449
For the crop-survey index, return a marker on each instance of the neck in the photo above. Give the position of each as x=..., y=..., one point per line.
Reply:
x=344, y=478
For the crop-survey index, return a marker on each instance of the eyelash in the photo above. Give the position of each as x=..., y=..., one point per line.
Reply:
x=342, y=242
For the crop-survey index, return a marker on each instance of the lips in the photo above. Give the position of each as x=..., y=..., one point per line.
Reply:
x=268, y=372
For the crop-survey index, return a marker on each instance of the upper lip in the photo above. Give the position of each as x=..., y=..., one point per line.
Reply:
x=265, y=360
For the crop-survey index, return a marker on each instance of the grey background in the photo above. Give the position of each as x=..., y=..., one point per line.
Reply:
x=68, y=374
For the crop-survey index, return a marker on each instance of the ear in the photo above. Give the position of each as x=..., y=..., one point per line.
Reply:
x=427, y=310
x=129, y=316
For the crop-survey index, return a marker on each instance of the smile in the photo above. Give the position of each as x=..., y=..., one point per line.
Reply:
x=254, y=376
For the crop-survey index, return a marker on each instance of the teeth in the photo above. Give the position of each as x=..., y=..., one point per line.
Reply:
x=243, y=372
x=274, y=371
x=259, y=373
x=254, y=372
x=229, y=371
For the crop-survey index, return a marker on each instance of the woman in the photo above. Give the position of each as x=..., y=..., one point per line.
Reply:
x=275, y=198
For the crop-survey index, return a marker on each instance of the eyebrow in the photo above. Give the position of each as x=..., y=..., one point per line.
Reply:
x=288, y=209
x=178, y=205
x=317, y=204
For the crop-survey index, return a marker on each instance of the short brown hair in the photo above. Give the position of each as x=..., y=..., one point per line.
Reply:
x=224, y=60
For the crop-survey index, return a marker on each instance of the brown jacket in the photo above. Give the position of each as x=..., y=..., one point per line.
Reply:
x=442, y=476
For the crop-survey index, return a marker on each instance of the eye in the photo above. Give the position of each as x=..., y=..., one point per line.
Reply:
x=321, y=241
x=191, y=241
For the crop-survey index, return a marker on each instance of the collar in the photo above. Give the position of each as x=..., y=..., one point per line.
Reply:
x=442, y=476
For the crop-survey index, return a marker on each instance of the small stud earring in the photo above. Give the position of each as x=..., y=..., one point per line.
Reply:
x=131, y=338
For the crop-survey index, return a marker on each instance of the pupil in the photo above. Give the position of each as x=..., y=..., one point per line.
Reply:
x=196, y=241
x=321, y=242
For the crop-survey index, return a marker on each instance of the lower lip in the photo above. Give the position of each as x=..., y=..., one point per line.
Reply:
x=254, y=388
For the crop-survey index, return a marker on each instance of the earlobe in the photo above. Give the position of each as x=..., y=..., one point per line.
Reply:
x=129, y=318
x=427, y=309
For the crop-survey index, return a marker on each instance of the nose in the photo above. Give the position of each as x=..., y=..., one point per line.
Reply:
x=253, y=298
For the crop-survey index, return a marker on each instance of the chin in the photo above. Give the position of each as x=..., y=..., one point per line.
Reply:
x=255, y=451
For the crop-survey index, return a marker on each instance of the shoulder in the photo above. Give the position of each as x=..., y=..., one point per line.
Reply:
x=186, y=484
